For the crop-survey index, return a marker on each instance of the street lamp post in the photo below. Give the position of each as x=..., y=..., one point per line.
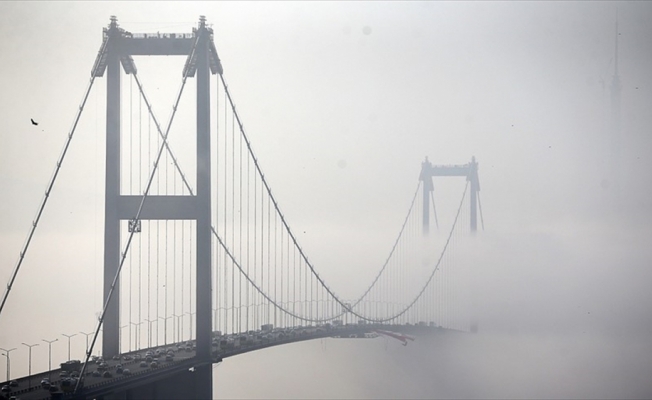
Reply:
x=87, y=335
x=137, y=334
x=8, y=361
x=69, y=336
x=121, y=328
x=165, y=328
x=178, y=325
x=190, y=314
x=49, y=342
x=149, y=332
x=29, y=371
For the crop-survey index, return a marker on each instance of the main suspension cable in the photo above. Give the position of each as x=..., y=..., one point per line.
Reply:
x=284, y=222
x=391, y=253
x=268, y=189
x=257, y=167
x=269, y=192
x=346, y=307
x=291, y=235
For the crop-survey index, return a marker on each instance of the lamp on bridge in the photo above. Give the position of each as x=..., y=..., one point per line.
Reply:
x=121, y=328
x=87, y=335
x=49, y=342
x=190, y=314
x=69, y=336
x=6, y=354
x=149, y=331
x=29, y=363
x=177, y=332
x=137, y=324
x=165, y=328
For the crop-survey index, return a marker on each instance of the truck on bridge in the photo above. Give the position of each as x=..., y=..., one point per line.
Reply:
x=72, y=365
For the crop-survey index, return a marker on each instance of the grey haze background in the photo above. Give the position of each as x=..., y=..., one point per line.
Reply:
x=342, y=102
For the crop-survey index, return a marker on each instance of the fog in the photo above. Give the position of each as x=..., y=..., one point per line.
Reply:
x=342, y=102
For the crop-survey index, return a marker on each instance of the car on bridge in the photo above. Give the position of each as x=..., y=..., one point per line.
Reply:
x=68, y=385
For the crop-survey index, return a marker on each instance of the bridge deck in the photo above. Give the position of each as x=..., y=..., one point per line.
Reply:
x=183, y=360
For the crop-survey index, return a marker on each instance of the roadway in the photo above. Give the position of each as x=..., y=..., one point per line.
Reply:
x=142, y=372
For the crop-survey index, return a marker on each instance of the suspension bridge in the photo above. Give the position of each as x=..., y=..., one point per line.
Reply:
x=200, y=264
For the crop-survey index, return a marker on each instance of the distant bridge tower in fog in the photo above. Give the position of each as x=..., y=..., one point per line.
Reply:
x=469, y=170
x=615, y=131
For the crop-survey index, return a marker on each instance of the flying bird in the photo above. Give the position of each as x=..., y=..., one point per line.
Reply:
x=33, y=122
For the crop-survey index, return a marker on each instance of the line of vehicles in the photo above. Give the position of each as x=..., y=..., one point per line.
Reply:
x=268, y=334
x=152, y=358
x=68, y=378
x=71, y=370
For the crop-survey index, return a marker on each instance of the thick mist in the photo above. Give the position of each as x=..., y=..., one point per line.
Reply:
x=342, y=102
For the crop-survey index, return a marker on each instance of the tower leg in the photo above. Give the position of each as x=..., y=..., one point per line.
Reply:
x=203, y=382
x=204, y=290
x=111, y=332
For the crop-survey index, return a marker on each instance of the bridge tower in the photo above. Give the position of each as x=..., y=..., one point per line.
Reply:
x=469, y=171
x=117, y=50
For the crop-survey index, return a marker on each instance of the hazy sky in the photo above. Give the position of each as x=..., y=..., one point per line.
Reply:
x=342, y=101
